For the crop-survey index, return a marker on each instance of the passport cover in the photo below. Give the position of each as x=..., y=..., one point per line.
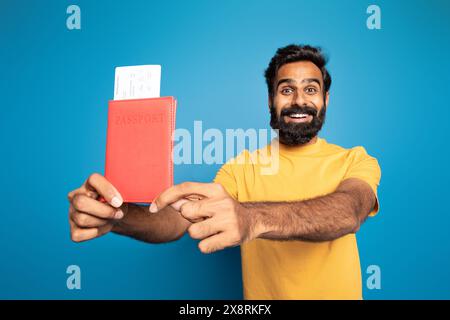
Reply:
x=139, y=147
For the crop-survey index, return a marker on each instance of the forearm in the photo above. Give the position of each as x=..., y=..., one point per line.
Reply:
x=320, y=219
x=163, y=226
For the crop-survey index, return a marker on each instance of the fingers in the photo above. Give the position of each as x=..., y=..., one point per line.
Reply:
x=88, y=217
x=181, y=191
x=85, y=227
x=85, y=204
x=80, y=234
x=177, y=204
x=83, y=220
x=214, y=243
x=82, y=190
x=204, y=229
x=195, y=210
x=98, y=183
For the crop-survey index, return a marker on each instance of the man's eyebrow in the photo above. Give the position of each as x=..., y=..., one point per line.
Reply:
x=309, y=80
x=291, y=81
x=286, y=80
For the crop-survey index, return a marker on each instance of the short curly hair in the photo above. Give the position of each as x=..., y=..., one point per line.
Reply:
x=294, y=53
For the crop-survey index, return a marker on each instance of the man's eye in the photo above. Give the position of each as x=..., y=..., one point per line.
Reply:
x=311, y=90
x=286, y=90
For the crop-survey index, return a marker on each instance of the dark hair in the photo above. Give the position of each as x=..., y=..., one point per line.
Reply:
x=294, y=53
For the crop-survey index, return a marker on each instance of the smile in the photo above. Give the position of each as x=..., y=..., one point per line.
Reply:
x=298, y=117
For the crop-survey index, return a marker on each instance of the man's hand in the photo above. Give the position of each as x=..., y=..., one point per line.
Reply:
x=90, y=218
x=222, y=222
x=218, y=220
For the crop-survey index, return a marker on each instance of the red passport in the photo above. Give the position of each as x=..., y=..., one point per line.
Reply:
x=139, y=147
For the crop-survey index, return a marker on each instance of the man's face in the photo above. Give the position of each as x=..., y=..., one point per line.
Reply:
x=298, y=105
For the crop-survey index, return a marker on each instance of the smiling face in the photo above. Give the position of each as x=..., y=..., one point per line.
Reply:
x=298, y=105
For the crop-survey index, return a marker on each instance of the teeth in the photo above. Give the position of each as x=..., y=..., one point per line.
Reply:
x=298, y=115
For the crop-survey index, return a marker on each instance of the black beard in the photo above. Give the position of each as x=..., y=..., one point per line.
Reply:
x=294, y=134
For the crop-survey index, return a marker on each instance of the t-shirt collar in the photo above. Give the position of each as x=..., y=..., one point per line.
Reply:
x=302, y=149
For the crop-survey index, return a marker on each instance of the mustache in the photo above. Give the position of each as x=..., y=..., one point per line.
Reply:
x=298, y=109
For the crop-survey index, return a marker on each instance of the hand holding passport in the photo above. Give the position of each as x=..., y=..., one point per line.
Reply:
x=139, y=141
x=138, y=165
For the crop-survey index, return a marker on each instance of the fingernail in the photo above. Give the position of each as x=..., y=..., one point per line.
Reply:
x=92, y=194
x=177, y=205
x=116, y=202
x=153, y=208
x=119, y=214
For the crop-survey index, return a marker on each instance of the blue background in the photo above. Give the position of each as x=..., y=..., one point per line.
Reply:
x=389, y=94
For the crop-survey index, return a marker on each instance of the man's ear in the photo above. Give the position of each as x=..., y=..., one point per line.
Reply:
x=269, y=101
x=327, y=98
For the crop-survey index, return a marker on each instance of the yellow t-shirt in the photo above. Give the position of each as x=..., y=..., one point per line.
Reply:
x=273, y=269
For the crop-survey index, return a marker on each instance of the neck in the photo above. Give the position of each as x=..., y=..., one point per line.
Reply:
x=296, y=147
x=312, y=141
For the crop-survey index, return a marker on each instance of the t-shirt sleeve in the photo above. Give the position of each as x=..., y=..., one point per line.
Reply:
x=225, y=176
x=366, y=168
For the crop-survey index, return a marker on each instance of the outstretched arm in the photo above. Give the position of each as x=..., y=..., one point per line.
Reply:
x=320, y=219
x=163, y=226
x=220, y=221
x=91, y=218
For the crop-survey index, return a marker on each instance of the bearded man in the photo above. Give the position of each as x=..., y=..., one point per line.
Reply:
x=296, y=227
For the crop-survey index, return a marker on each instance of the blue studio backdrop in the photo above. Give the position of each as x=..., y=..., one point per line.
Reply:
x=389, y=94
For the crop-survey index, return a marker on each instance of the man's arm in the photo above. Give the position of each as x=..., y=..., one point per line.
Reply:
x=220, y=221
x=163, y=226
x=320, y=219
x=91, y=218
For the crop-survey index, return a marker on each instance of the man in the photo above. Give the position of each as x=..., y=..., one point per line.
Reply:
x=296, y=227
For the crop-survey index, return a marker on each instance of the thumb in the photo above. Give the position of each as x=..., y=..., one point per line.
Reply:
x=177, y=204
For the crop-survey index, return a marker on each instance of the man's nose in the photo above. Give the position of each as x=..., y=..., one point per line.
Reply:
x=299, y=99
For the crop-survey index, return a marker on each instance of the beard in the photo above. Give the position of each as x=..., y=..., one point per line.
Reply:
x=295, y=134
